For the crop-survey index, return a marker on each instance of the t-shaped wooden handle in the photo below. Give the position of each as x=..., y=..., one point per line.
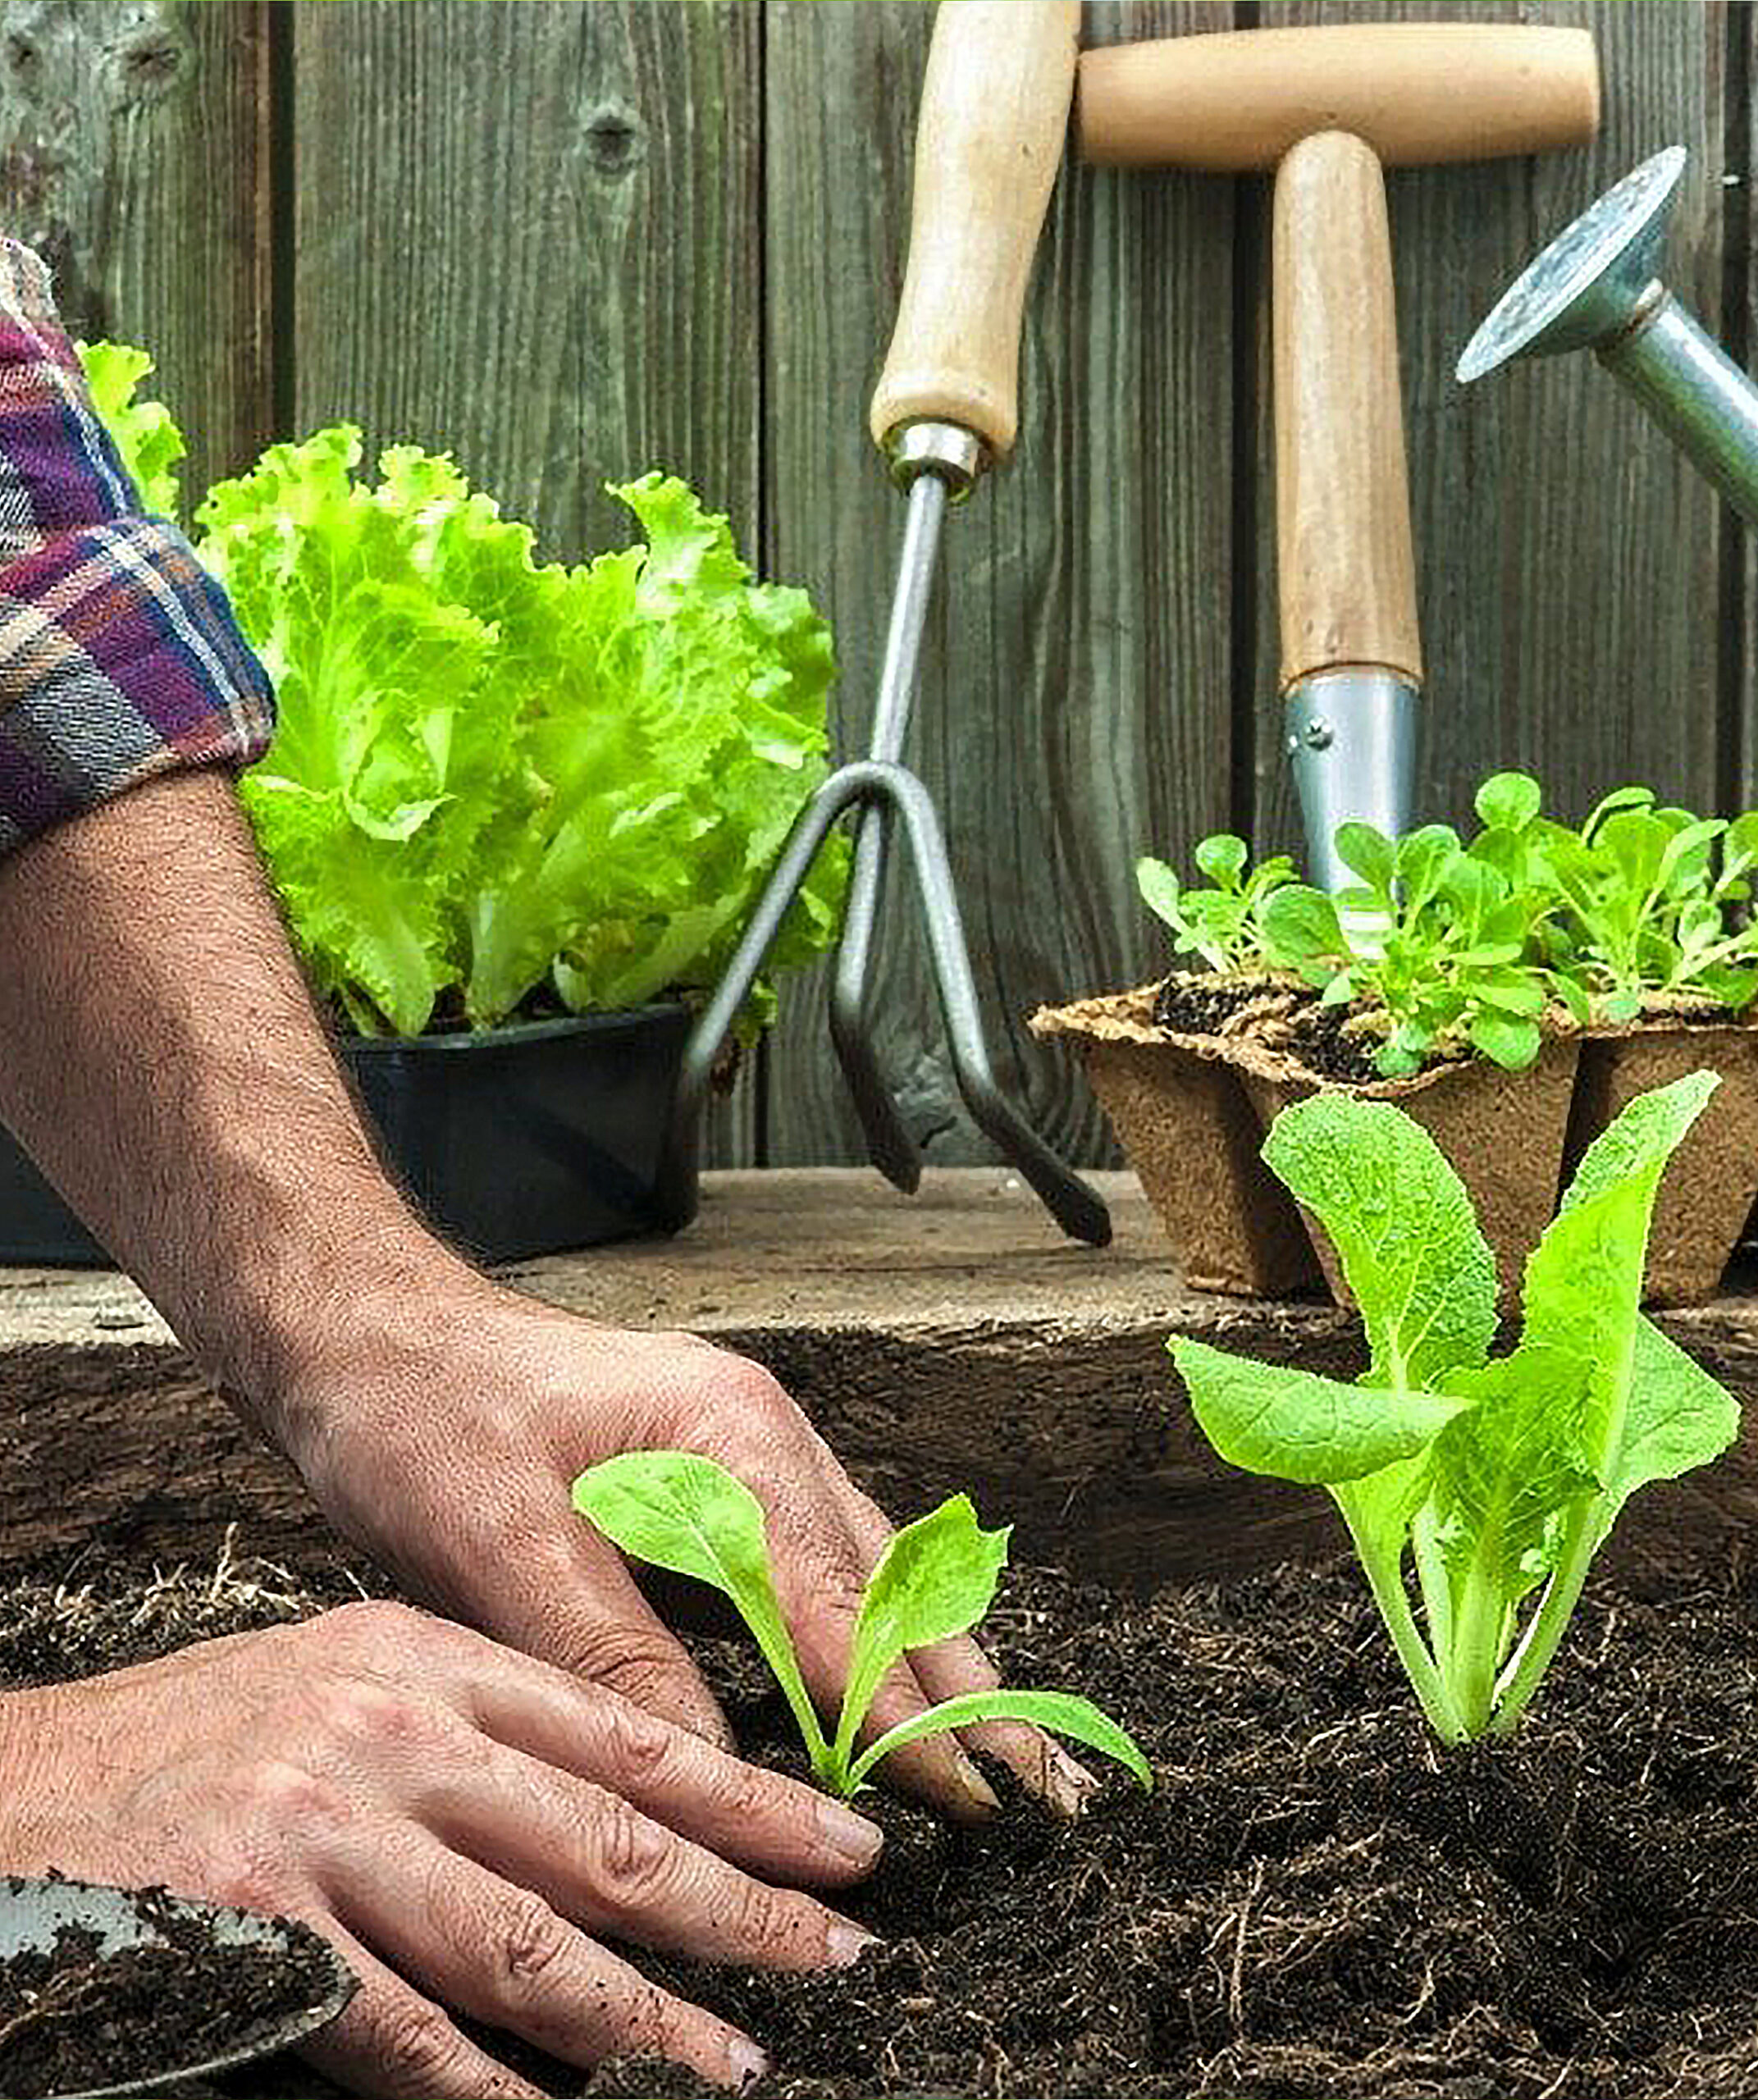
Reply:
x=1415, y=91
x=994, y=117
x=1345, y=574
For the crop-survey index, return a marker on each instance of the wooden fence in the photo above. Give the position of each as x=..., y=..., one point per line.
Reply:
x=570, y=240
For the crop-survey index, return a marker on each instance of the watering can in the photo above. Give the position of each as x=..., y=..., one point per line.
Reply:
x=1596, y=287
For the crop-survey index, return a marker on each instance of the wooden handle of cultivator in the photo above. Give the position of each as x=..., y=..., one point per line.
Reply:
x=994, y=116
x=1415, y=91
x=1345, y=574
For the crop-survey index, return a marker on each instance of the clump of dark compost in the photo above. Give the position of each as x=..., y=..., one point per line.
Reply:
x=1278, y=1014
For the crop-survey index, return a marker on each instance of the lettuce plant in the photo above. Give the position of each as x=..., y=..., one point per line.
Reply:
x=1652, y=903
x=494, y=779
x=1224, y=922
x=1497, y=1479
x=936, y=1579
x=1437, y=938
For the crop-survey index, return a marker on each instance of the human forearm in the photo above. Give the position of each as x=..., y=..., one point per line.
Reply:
x=160, y=1056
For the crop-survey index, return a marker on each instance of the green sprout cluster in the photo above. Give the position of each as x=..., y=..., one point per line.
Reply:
x=1463, y=945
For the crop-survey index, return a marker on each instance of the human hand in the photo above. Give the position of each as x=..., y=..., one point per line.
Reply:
x=459, y=1820
x=447, y=1448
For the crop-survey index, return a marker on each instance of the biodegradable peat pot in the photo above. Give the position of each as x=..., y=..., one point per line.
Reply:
x=1182, y=1116
x=1504, y=1133
x=512, y=1142
x=1707, y=1191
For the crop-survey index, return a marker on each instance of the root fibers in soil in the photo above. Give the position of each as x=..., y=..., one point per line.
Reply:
x=1317, y=1903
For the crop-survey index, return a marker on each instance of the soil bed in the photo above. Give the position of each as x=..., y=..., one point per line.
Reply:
x=1317, y=1900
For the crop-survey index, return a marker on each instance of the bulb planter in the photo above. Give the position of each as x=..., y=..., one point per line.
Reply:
x=511, y=1142
x=1190, y=1111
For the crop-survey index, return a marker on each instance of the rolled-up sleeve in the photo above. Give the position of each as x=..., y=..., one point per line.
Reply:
x=119, y=658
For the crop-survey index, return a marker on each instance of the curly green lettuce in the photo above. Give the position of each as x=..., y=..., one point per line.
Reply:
x=496, y=779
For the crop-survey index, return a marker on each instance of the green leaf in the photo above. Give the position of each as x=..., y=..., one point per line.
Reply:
x=1583, y=1282
x=1300, y=924
x=1161, y=891
x=1423, y=857
x=683, y=1512
x=1678, y=1418
x=1370, y=854
x=1222, y=859
x=1293, y=1425
x=1512, y=1044
x=1061, y=1712
x=1403, y=1227
x=146, y=437
x=1509, y=801
x=935, y=1578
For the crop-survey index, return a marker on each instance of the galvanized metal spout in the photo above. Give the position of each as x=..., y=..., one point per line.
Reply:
x=1596, y=287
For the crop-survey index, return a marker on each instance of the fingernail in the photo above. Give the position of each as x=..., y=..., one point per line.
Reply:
x=1068, y=1784
x=845, y=1943
x=746, y=2061
x=856, y=1840
x=977, y=1789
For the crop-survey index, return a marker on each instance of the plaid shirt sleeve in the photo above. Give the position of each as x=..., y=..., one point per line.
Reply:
x=118, y=655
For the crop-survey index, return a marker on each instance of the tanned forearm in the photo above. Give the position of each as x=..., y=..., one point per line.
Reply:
x=160, y=1058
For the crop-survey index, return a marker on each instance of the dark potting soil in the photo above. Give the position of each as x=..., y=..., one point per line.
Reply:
x=1316, y=1900
x=74, y=2018
x=1335, y=1043
x=1198, y=1004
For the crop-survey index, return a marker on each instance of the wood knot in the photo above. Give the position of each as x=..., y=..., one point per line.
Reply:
x=22, y=57
x=145, y=57
x=614, y=136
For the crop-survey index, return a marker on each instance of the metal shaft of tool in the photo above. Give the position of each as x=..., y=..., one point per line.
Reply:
x=890, y=1146
x=1694, y=391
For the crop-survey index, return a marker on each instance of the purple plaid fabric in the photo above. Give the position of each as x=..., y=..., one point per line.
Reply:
x=118, y=655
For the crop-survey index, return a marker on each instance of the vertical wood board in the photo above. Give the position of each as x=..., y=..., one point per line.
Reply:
x=133, y=147
x=1074, y=709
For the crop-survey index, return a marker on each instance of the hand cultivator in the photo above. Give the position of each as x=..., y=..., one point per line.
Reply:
x=994, y=112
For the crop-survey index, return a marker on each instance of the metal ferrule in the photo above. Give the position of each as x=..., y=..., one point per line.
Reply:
x=1696, y=393
x=1350, y=736
x=956, y=456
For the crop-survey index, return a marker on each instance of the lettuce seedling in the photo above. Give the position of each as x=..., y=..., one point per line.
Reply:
x=1651, y=903
x=936, y=1579
x=1500, y=1478
x=1223, y=925
x=1437, y=938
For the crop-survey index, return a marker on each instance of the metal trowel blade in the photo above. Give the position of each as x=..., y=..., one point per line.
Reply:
x=33, y=1912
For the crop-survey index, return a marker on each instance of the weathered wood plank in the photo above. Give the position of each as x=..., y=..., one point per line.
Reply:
x=1568, y=560
x=1074, y=709
x=526, y=235
x=953, y=1342
x=134, y=153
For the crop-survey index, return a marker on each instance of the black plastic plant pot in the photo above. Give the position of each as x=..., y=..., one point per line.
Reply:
x=513, y=1142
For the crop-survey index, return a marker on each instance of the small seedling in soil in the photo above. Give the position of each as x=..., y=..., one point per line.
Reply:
x=1223, y=923
x=1501, y=1478
x=937, y=1578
